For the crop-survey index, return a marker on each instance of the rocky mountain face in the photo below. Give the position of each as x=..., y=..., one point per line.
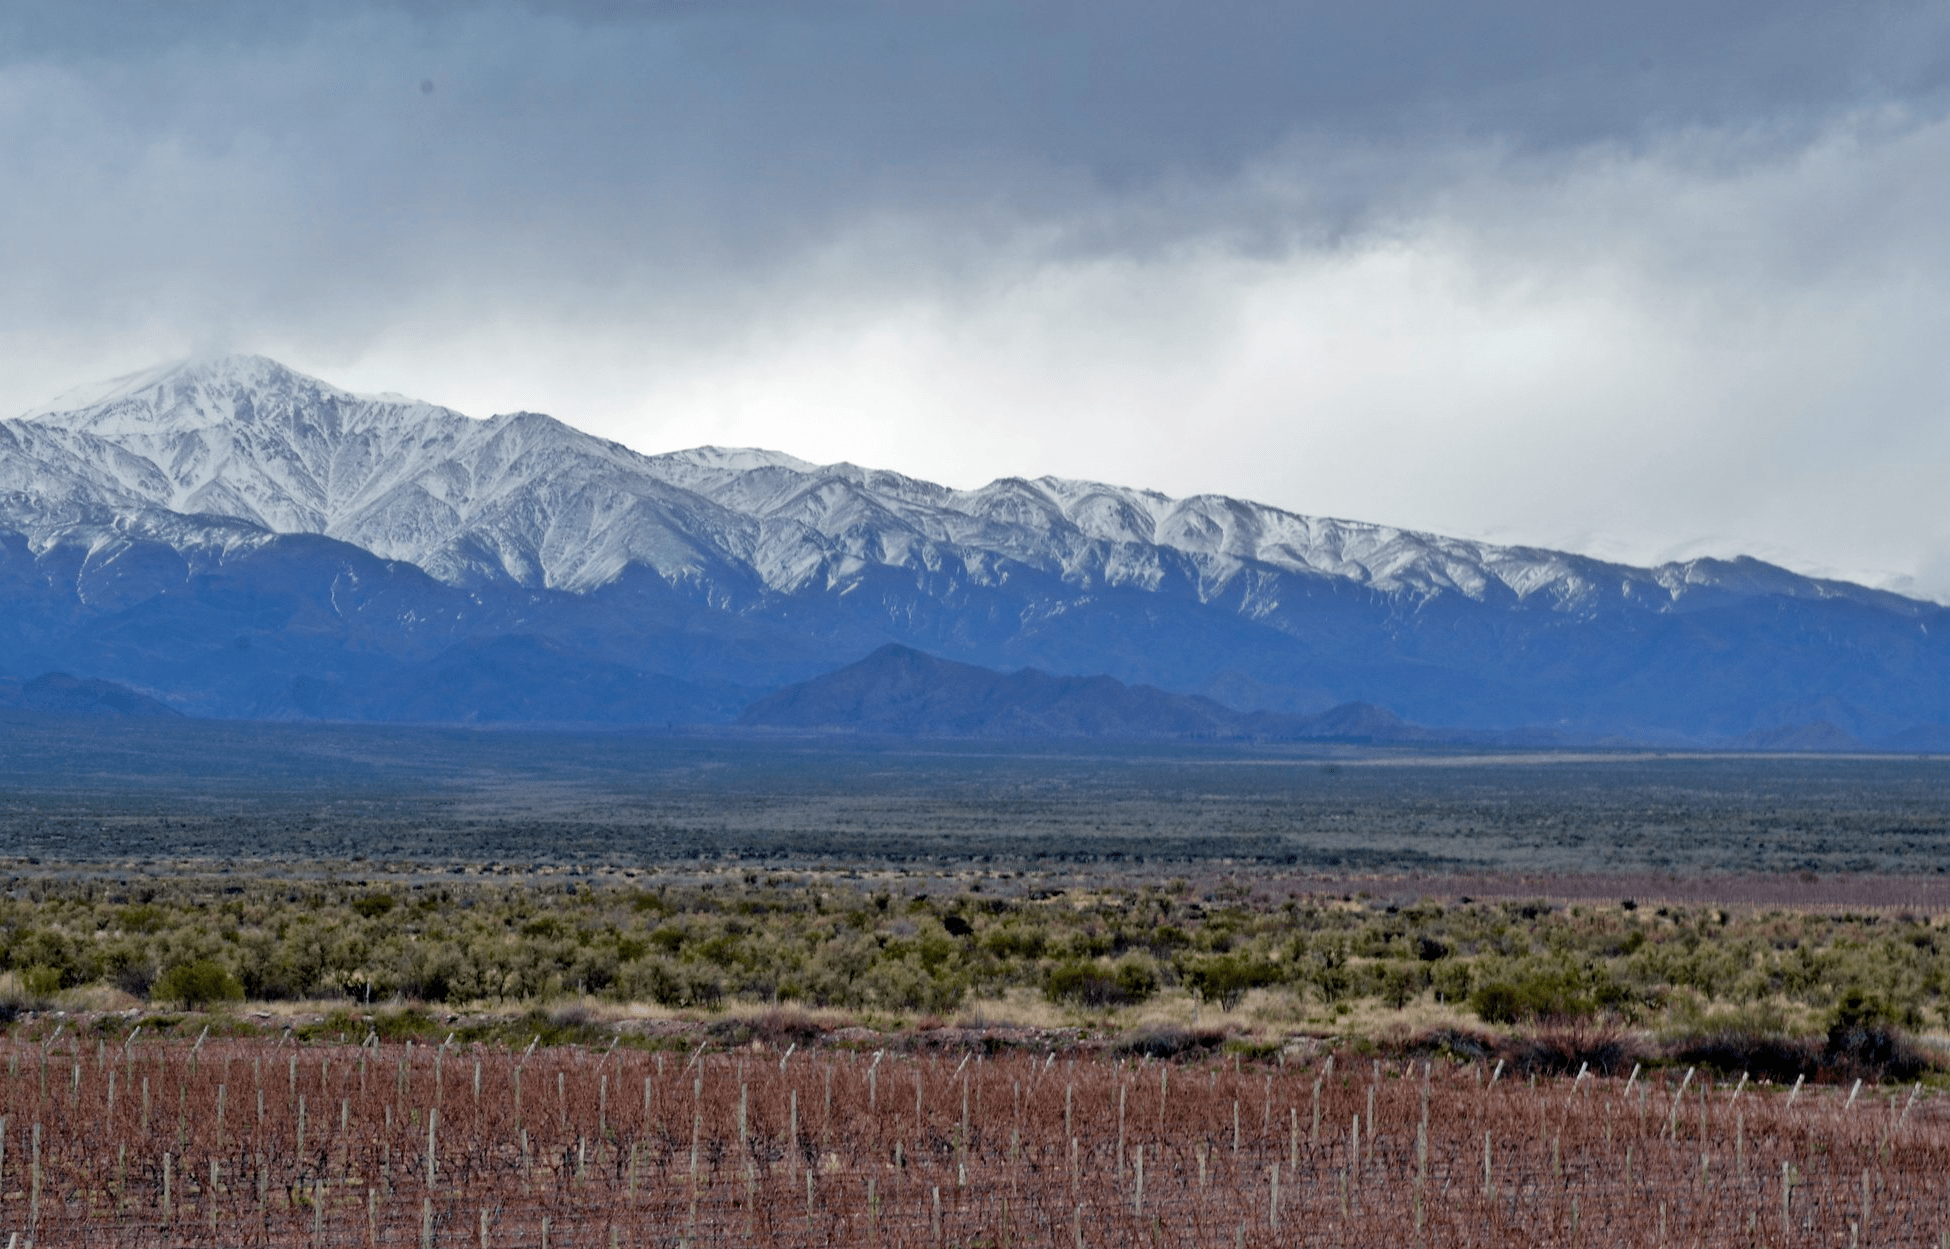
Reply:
x=234, y=538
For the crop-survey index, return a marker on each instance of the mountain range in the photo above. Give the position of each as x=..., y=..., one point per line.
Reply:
x=231, y=538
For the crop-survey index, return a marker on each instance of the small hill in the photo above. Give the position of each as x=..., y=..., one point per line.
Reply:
x=59, y=692
x=904, y=691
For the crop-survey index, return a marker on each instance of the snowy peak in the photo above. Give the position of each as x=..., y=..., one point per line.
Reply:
x=518, y=497
x=186, y=395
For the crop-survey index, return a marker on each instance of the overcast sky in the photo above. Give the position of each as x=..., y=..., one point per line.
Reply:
x=1650, y=280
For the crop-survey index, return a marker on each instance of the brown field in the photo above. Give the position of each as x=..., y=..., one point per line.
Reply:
x=255, y=1143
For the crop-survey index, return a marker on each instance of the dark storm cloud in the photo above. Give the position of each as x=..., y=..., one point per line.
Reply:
x=292, y=139
x=746, y=128
x=979, y=238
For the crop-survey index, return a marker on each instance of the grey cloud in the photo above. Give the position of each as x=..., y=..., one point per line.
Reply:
x=1742, y=194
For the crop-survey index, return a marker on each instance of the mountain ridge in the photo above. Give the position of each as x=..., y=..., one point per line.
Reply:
x=283, y=531
x=247, y=439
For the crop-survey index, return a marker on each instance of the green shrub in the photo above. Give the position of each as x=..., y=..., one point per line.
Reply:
x=1095, y=985
x=1227, y=979
x=1544, y=995
x=1865, y=1039
x=669, y=983
x=198, y=984
x=1499, y=1001
x=373, y=905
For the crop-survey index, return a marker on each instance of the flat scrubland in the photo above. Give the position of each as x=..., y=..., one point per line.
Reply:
x=1253, y=963
x=130, y=1140
x=360, y=800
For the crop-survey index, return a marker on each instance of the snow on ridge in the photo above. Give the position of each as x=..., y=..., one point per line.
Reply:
x=526, y=497
x=737, y=459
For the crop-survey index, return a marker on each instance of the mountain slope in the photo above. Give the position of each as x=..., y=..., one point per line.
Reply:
x=242, y=538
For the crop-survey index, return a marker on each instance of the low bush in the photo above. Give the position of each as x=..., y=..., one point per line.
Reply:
x=1163, y=1041
x=1567, y=994
x=1098, y=986
x=1453, y=1043
x=1227, y=979
x=1865, y=1040
x=1761, y=1055
x=1602, y=1048
x=198, y=984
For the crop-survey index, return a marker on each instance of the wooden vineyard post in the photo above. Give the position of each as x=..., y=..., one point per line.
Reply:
x=1421, y=1167
x=1273, y=1200
x=1122, y=1089
x=34, y=1188
x=1672, y=1120
x=697, y=1131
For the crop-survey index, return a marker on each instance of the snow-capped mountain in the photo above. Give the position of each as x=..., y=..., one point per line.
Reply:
x=531, y=500
x=749, y=568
